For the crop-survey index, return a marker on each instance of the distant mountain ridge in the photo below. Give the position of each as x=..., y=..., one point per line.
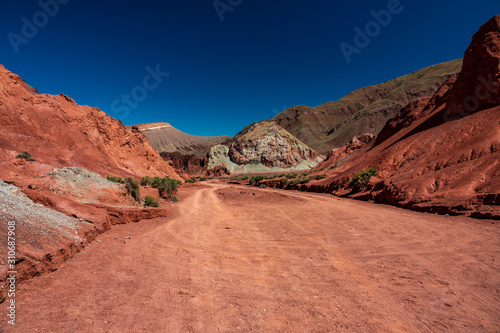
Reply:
x=365, y=110
x=166, y=138
x=327, y=126
x=151, y=126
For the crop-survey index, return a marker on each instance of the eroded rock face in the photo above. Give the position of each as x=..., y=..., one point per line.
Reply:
x=416, y=110
x=260, y=147
x=478, y=85
x=58, y=214
x=268, y=144
x=218, y=155
x=336, y=155
x=189, y=164
x=428, y=160
x=218, y=171
x=58, y=133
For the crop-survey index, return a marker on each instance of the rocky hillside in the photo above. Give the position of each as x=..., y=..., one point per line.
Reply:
x=263, y=146
x=191, y=165
x=438, y=154
x=165, y=138
x=57, y=205
x=366, y=110
x=58, y=133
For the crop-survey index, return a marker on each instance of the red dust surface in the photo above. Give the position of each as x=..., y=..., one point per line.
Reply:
x=235, y=258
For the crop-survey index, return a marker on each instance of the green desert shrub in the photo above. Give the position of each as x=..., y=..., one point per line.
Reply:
x=156, y=182
x=174, y=199
x=291, y=175
x=190, y=181
x=360, y=180
x=26, y=156
x=305, y=173
x=262, y=186
x=202, y=179
x=114, y=179
x=318, y=177
x=146, y=181
x=240, y=178
x=151, y=202
x=333, y=166
x=254, y=180
x=168, y=187
x=305, y=180
x=132, y=187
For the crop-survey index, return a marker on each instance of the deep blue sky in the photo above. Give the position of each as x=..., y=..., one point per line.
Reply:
x=264, y=56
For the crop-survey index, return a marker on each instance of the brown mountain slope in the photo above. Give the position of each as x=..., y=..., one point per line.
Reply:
x=165, y=138
x=58, y=133
x=431, y=157
x=366, y=110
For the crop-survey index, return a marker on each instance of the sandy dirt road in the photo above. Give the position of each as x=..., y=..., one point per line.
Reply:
x=234, y=258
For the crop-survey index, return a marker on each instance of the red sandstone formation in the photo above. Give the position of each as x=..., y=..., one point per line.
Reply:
x=191, y=165
x=477, y=88
x=79, y=204
x=336, y=155
x=431, y=157
x=218, y=171
x=58, y=133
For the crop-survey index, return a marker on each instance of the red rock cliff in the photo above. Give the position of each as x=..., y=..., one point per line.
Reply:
x=58, y=132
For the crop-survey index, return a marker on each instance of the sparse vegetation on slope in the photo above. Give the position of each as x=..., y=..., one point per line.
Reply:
x=26, y=156
x=167, y=187
x=254, y=180
x=151, y=202
x=146, y=181
x=333, y=166
x=360, y=180
x=132, y=187
x=114, y=179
